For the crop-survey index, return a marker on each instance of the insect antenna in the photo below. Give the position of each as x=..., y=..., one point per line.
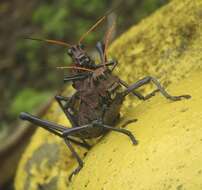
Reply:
x=76, y=68
x=100, y=20
x=107, y=40
x=56, y=42
x=92, y=28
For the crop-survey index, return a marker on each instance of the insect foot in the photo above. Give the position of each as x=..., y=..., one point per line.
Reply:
x=97, y=123
x=177, y=98
x=76, y=171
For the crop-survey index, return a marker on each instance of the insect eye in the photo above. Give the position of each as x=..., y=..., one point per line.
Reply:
x=69, y=52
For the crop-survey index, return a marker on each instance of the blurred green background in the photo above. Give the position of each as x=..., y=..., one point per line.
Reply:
x=28, y=74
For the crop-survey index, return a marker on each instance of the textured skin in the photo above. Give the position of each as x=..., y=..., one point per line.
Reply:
x=87, y=104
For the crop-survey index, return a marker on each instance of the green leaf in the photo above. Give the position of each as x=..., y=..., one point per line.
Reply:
x=27, y=100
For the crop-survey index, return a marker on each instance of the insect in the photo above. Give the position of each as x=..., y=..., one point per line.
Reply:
x=94, y=108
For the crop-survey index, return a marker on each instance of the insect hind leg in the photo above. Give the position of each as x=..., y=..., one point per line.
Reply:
x=51, y=127
x=148, y=79
x=47, y=125
x=98, y=123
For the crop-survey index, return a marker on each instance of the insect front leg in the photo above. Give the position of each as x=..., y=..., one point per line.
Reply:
x=68, y=101
x=65, y=108
x=99, y=124
x=148, y=79
x=123, y=131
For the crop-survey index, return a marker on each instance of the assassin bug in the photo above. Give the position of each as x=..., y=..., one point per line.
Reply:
x=94, y=108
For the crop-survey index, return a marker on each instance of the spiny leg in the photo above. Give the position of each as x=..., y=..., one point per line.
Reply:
x=148, y=96
x=67, y=100
x=165, y=93
x=123, y=131
x=148, y=79
x=75, y=77
x=51, y=127
x=74, y=153
x=83, y=144
x=61, y=132
x=99, y=124
x=135, y=93
x=128, y=122
x=86, y=143
x=68, y=114
x=76, y=132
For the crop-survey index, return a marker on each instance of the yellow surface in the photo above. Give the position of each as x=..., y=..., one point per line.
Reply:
x=169, y=155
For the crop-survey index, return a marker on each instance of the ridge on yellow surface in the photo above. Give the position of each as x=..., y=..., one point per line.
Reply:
x=166, y=45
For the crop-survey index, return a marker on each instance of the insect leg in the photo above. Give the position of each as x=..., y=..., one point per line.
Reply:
x=115, y=63
x=74, y=153
x=51, y=127
x=124, y=131
x=74, y=78
x=69, y=115
x=135, y=93
x=68, y=100
x=148, y=79
x=83, y=144
x=128, y=122
x=148, y=96
x=75, y=131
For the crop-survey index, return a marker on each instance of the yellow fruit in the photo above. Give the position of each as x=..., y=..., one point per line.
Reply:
x=169, y=155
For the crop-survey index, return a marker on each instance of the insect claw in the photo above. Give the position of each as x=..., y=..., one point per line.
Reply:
x=76, y=171
x=186, y=96
x=178, y=98
x=131, y=136
x=135, y=142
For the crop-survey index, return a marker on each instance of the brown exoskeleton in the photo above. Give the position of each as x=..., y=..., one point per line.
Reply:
x=94, y=108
